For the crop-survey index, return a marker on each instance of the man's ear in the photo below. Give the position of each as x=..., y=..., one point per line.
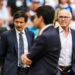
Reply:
x=41, y=18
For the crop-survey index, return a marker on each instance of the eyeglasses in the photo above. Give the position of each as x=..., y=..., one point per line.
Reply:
x=64, y=17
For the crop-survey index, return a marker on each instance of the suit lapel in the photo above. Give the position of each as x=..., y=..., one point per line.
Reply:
x=15, y=40
x=57, y=29
x=73, y=43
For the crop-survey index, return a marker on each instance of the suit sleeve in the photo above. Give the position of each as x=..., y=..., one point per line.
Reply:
x=3, y=48
x=32, y=38
x=38, y=48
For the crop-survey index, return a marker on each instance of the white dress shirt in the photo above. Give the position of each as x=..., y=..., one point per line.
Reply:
x=66, y=48
x=25, y=42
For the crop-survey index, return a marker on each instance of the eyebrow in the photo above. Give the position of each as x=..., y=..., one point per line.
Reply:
x=64, y=16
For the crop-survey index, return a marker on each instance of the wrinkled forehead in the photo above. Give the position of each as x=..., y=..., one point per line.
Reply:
x=65, y=13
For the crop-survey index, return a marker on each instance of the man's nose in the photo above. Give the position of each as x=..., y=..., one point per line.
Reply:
x=19, y=24
x=63, y=18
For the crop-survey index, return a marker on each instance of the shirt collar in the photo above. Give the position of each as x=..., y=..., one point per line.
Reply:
x=61, y=29
x=45, y=27
x=18, y=31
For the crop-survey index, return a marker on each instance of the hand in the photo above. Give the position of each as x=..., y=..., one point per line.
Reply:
x=25, y=59
x=2, y=23
x=69, y=71
x=60, y=69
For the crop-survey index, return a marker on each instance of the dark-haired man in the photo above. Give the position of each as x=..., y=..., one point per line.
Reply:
x=46, y=47
x=14, y=43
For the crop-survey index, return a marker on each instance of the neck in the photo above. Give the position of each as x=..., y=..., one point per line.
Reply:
x=42, y=25
x=66, y=30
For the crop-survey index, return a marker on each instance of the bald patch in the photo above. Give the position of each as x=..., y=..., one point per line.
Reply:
x=66, y=12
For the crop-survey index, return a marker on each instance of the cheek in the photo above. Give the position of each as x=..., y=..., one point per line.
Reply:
x=15, y=25
x=23, y=26
x=35, y=21
x=68, y=21
x=59, y=21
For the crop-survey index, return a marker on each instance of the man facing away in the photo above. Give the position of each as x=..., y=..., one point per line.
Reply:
x=45, y=51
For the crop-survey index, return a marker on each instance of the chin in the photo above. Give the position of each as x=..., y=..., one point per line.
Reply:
x=63, y=25
x=20, y=30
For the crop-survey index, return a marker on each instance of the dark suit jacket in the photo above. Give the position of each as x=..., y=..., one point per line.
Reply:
x=73, y=49
x=45, y=53
x=2, y=29
x=9, y=51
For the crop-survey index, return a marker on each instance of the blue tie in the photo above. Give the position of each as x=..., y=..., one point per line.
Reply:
x=21, y=48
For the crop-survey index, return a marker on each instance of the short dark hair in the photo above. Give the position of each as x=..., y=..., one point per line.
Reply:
x=47, y=12
x=25, y=9
x=19, y=14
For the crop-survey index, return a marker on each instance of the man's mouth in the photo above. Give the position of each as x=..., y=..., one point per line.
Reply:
x=18, y=27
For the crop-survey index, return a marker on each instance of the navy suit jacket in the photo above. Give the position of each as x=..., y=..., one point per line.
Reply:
x=73, y=51
x=45, y=53
x=9, y=51
x=73, y=48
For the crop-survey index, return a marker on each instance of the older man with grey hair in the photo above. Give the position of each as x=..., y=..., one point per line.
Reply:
x=67, y=38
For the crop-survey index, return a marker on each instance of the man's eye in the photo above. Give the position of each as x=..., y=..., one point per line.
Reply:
x=17, y=22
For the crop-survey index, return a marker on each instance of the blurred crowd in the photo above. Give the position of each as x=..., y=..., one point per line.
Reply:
x=9, y=7
x=62, y=18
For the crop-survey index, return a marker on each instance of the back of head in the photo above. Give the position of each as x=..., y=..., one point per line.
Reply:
x=47, y=12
